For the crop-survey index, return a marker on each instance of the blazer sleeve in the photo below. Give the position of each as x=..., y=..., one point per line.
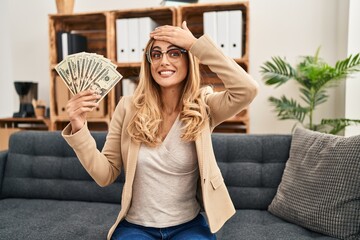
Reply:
x=105, y=166
x=240, y=88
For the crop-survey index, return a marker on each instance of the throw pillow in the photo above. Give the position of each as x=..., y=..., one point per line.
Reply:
x=320, y=187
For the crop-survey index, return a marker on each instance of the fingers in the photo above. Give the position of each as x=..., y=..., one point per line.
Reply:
x=184, y=26
x=81, y=103
x=83, y=94
x=179, y=36
x=78, y=106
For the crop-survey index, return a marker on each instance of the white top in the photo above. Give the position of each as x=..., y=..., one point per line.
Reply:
x=164, y=190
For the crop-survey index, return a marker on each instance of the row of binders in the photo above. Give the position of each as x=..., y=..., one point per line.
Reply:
x=132, y=34
x=226, y=29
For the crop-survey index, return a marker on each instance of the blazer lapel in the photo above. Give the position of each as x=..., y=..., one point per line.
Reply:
x=130, y=173
x=133, y=151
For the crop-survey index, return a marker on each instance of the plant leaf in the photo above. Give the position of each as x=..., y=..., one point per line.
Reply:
x=337, y=125
x=289, y=109
x=277, y=71
x=347, y=66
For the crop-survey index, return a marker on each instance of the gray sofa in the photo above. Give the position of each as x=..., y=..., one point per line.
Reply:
x=46, y=193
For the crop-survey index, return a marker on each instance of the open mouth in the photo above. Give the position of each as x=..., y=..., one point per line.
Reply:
x=166, y=73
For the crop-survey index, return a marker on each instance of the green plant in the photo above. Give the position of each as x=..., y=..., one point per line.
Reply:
x=314, y=77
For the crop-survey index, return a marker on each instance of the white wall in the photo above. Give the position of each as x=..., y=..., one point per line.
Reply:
x=290, y=29
x=352, y=109
x=6, y=96
x=277, y=28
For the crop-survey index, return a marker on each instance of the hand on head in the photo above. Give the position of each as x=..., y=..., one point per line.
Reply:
x=179, y=36
x=78, y=106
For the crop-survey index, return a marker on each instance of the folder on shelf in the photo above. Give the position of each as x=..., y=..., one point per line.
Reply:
x=210, y=25
x=122, y=45
x=133, y=40
x=69, y=43
x=76, y=43
x=223, y=31
x=61, y=45
x=128, y=86
x=146, y=26
x=64, y=44
x=235, y=33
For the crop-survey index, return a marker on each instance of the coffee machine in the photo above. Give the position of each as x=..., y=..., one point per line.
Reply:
x=27, y=91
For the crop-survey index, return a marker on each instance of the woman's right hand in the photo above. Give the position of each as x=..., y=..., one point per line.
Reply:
x=78, y=106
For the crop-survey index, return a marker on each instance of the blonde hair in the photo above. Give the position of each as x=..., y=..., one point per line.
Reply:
x=145, y=126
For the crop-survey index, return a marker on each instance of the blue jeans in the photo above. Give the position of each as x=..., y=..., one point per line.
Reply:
x=196, y=229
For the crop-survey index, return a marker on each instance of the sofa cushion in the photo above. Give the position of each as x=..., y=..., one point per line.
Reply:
x=252, y=166
x=42, y=165
x=248, y=224
x=320, y=187
x=35, y=219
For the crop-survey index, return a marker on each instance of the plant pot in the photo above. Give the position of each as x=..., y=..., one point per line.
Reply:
x=65, y=6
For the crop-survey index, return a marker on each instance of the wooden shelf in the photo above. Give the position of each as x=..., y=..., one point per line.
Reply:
x=25, y=123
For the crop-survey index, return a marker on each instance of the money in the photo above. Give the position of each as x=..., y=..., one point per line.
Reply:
x=83, y=71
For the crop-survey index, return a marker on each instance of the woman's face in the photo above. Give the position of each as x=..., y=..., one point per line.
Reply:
x=169, y=66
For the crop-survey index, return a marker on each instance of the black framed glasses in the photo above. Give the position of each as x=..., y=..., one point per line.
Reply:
x=173, y=55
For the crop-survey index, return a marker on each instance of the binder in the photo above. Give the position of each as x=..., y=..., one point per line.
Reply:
x=223, y=31
x=59, y=46
x=133, y=40
x=235, y=34
x=146, y=26
x=128, y=86
x=65, y=44
x=210, y=25
x=122, y=40
x=76, y=43
x=69, y=43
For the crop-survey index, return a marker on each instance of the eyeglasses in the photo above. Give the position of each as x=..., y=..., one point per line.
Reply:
x=173, y=55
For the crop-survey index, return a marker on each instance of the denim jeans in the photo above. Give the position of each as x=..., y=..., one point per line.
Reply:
x=196, y=229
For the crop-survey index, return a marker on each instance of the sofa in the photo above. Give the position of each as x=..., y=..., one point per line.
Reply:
x=45, y=193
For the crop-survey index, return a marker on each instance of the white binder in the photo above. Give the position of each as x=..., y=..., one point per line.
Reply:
x=133, y=40
x=146, y=26
x=223, y=31
x=235, y=34
x=64, y=43
x=122, y=39
x=128, y=86
x=209, y=24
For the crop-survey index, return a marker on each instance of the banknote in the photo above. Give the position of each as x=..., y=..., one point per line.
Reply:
x=82, y=71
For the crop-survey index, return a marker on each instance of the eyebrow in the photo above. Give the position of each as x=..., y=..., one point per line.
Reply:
x=159, y=48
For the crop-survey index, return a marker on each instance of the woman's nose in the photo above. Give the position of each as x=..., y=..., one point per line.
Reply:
x=164, y=60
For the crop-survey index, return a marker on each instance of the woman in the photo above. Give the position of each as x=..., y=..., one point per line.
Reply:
x=161, y=136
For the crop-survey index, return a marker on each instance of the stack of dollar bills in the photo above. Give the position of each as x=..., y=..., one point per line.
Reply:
x=83, y=71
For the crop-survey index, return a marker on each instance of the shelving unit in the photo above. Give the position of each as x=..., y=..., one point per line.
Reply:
x=100, y=30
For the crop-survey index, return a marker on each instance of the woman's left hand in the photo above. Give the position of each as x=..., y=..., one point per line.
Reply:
x=179, y=36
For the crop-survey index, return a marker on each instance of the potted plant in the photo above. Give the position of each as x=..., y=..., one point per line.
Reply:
x=314, y=77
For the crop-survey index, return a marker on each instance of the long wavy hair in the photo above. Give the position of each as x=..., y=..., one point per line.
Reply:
x=146, y=124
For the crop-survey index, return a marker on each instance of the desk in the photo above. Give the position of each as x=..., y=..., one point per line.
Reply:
x=10, y=125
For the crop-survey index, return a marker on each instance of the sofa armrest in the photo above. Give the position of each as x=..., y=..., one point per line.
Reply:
x=3, y=157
